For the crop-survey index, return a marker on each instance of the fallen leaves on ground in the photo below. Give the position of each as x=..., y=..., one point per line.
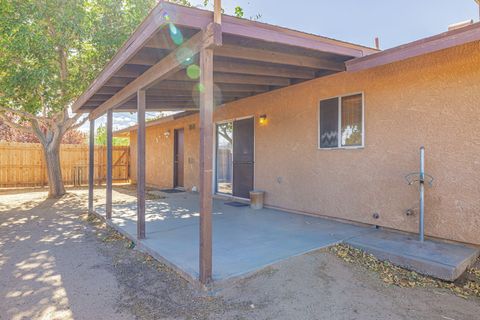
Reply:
x=467, y=286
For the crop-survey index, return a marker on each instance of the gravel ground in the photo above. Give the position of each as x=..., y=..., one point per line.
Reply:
x=55, y=263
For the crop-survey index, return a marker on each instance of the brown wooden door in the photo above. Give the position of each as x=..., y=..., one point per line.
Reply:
x=243, y=157
x=178, y=167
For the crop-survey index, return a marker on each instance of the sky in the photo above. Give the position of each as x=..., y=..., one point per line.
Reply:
x=356, y=21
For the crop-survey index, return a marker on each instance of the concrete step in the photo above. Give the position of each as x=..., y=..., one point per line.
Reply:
x=441, y=260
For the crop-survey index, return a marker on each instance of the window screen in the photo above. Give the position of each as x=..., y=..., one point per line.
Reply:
x=352, y=121
x=329, y=123
x=346, y=131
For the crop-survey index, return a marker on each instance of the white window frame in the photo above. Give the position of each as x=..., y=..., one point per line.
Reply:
x=339, y=146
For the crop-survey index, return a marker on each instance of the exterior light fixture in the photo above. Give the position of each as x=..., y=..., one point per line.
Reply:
x=167, y=134
x=263, y=119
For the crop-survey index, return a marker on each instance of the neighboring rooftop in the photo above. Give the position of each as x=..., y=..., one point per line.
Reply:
x=125, y=132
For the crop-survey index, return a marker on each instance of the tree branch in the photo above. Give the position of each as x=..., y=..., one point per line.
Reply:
x=27, y=115
x=15, y=126
x=79, y=124
x=37, y=130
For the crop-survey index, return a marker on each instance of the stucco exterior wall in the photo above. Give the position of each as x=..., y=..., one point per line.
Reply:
x=159, y=153
x=433, y=100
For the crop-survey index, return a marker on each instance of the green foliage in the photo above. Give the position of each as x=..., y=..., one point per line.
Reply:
x=239, y=12
x=101, y=138
x=50, y=50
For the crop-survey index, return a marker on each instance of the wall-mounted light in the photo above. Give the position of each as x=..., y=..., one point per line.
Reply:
x=167, y=134
x=263, y=119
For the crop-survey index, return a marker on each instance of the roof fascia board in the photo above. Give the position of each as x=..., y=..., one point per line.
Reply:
x=198, y=18
x=424, y=46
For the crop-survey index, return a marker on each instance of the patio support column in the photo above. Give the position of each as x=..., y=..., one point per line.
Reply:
x=91, y=166
x=141, y=102
x=206, y=152
x=109, y=164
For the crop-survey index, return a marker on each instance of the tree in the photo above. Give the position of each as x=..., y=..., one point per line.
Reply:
x=101, y=138
x=10, y=134
x=50, y=50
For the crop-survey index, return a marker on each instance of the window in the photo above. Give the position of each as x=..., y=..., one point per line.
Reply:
x=341, y=122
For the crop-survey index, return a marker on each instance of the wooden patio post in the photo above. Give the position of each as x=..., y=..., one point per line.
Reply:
x=141, y=102
x=109, y=164
x=91, y=166
x=206, y=150
x=217, y=11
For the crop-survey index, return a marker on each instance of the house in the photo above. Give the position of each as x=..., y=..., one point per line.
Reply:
x=324, y=127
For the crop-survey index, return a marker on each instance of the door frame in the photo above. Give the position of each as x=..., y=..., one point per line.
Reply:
x=175, y=170
x=214, y=176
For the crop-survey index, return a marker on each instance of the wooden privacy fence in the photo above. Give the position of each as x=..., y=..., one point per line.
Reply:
x=23, y=165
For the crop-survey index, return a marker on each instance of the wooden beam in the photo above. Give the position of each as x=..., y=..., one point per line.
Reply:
x=117, y=82
x=129, y=71
x=91, y=166
x=252, y=54
x=161, y=40
x=182, y=95
x=160, y=103
x=147, y=57
x=217, y=11
x=206, y=150
x=233, y=78
x=100, y=97
x=109, y=186
x=162, y=70
x=141, y=150
x=108, y=90
x=130, y=109
x=263, y=70
x=193, y=87
x=155, y=19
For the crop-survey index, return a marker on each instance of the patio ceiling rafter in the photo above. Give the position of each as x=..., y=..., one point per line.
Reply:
x=165, y=67
x=252, y=52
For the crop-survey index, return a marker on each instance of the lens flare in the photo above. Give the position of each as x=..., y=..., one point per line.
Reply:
x=185, y=56
x=193, y=71
x=217, y=94
x=175, y=34
x=200, y=87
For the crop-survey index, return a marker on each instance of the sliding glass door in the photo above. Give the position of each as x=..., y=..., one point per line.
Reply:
x=224, y=170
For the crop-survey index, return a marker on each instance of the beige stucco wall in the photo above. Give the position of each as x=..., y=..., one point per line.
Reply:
x=432, y=100
x=159, y=153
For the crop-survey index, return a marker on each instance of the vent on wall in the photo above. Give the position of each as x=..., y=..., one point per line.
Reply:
x=460, y=25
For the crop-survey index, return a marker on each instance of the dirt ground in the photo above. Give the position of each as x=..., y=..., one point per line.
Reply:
x=56, y=263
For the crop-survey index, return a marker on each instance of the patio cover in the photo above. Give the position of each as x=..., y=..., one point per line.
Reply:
x=250, y=58
x=186, y=59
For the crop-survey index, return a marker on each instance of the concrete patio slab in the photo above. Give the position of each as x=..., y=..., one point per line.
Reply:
x=246, y=240
x=441, y=260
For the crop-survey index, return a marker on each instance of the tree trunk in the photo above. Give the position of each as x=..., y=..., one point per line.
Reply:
x=56, y=188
